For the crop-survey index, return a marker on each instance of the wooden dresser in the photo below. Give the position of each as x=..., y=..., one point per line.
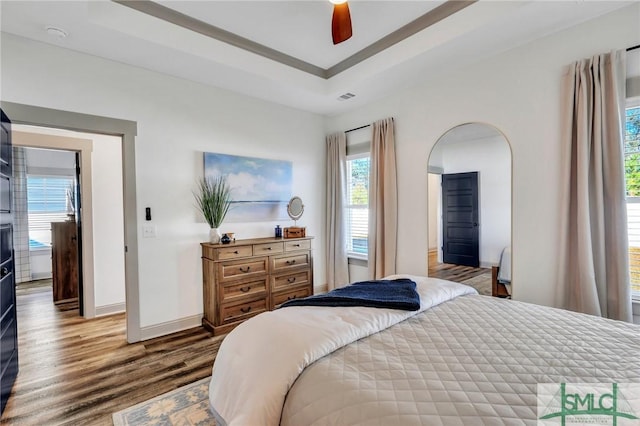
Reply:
x=247, y=277
x=64, y=261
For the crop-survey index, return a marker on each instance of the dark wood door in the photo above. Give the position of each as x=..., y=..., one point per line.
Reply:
x=460, y=230
x=8, y=320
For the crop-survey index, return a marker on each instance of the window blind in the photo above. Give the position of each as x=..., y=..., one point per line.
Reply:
x=46, y=203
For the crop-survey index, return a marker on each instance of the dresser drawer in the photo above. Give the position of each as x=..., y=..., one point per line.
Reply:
x=267, y=249
x=297, y=245
x=292, y=261
x=282, y=282
x=241, y=269
x=242, y=311
x=243, y=289
x=279, y=299
x=226, y=253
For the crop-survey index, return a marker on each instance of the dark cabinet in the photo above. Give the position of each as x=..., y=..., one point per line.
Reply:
x=8, y=320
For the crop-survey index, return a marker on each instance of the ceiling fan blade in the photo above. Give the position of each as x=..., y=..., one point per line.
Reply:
x=341, y=23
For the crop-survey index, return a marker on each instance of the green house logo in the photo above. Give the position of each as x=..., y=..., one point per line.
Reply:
x=587, y=403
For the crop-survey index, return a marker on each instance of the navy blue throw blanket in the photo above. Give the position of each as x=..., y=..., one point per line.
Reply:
x=392, y=294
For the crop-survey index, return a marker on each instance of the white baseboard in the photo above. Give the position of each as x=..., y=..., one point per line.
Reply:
x=169, y=327
x=114, y=308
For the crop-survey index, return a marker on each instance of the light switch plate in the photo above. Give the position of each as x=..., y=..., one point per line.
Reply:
x=148, y=231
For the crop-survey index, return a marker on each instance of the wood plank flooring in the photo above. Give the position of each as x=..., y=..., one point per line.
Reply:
x=456, y=273
x=78, y=372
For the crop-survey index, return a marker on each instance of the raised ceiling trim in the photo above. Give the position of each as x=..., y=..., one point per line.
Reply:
x=185, y=21
x=430, y=18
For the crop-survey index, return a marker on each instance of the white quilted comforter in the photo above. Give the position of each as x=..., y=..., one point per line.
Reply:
x=470, y=360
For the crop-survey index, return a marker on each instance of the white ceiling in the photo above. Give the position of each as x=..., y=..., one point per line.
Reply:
x=300, y=29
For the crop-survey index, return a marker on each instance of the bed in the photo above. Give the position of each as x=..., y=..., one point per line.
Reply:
x=460, y=359
x=501, y=275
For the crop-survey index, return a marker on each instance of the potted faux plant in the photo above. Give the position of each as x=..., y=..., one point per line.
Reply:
x=214, y=199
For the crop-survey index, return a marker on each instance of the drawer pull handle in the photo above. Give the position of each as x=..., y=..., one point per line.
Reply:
x=245, y=289
x=291, y=262
x=245, y=270
x=296, y=245
x=245, y=310
x=235, y=252
x=267, y=248
x=290, y=297
x=291, y=280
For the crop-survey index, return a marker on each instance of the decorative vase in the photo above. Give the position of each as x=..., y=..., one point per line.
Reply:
x=214, y=235
x=225, y=239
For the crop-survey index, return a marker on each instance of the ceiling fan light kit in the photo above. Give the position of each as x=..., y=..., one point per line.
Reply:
x=341, y=21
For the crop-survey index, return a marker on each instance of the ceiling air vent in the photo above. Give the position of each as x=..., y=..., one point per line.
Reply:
x=346, y=96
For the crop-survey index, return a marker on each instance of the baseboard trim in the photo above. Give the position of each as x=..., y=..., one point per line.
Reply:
x=114, y=308
x=169, y=327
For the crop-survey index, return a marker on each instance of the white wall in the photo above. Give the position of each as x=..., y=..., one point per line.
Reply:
x=491, y=158
x=435, y=192
x=518, y=92
x=50, y=160
x=177, y=121
x=108, y=222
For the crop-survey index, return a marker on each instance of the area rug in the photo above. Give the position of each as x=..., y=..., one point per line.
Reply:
x=185, y=406
x=482, y=283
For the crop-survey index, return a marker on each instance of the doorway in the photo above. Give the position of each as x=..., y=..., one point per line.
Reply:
x=126, y=130
x=100, y=239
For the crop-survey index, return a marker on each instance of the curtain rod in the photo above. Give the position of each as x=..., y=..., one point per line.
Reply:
x=637, y=46
x=357, y=128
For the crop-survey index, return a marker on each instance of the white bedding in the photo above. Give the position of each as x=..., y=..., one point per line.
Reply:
x=453, y=363
x=504, y=273
x=472, y=360
x=258, y=362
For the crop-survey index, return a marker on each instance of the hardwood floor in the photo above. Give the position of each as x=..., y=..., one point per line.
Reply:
x=451, y=272
x=78, y=372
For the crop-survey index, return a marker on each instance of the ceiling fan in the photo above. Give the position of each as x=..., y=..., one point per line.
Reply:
x=341, y=21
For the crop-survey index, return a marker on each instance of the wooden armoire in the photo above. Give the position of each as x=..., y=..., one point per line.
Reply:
x=64, y=259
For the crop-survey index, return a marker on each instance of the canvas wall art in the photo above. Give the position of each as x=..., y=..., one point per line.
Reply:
x=260, y=188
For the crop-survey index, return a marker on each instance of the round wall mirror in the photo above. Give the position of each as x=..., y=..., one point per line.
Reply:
x=295, y=208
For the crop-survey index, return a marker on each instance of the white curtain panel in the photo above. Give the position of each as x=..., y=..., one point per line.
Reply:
x=383, y=201
x=336, y=238
x=594, y=266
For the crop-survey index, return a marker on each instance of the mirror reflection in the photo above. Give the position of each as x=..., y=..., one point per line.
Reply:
x=469, y=196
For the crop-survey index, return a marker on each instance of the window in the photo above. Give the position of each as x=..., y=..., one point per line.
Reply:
x=46, y=203
x=632, y=176
x=357, y=205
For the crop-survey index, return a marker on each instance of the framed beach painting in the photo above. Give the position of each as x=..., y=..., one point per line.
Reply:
x=260, y=188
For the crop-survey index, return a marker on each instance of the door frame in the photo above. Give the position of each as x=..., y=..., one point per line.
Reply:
x=127, y=130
